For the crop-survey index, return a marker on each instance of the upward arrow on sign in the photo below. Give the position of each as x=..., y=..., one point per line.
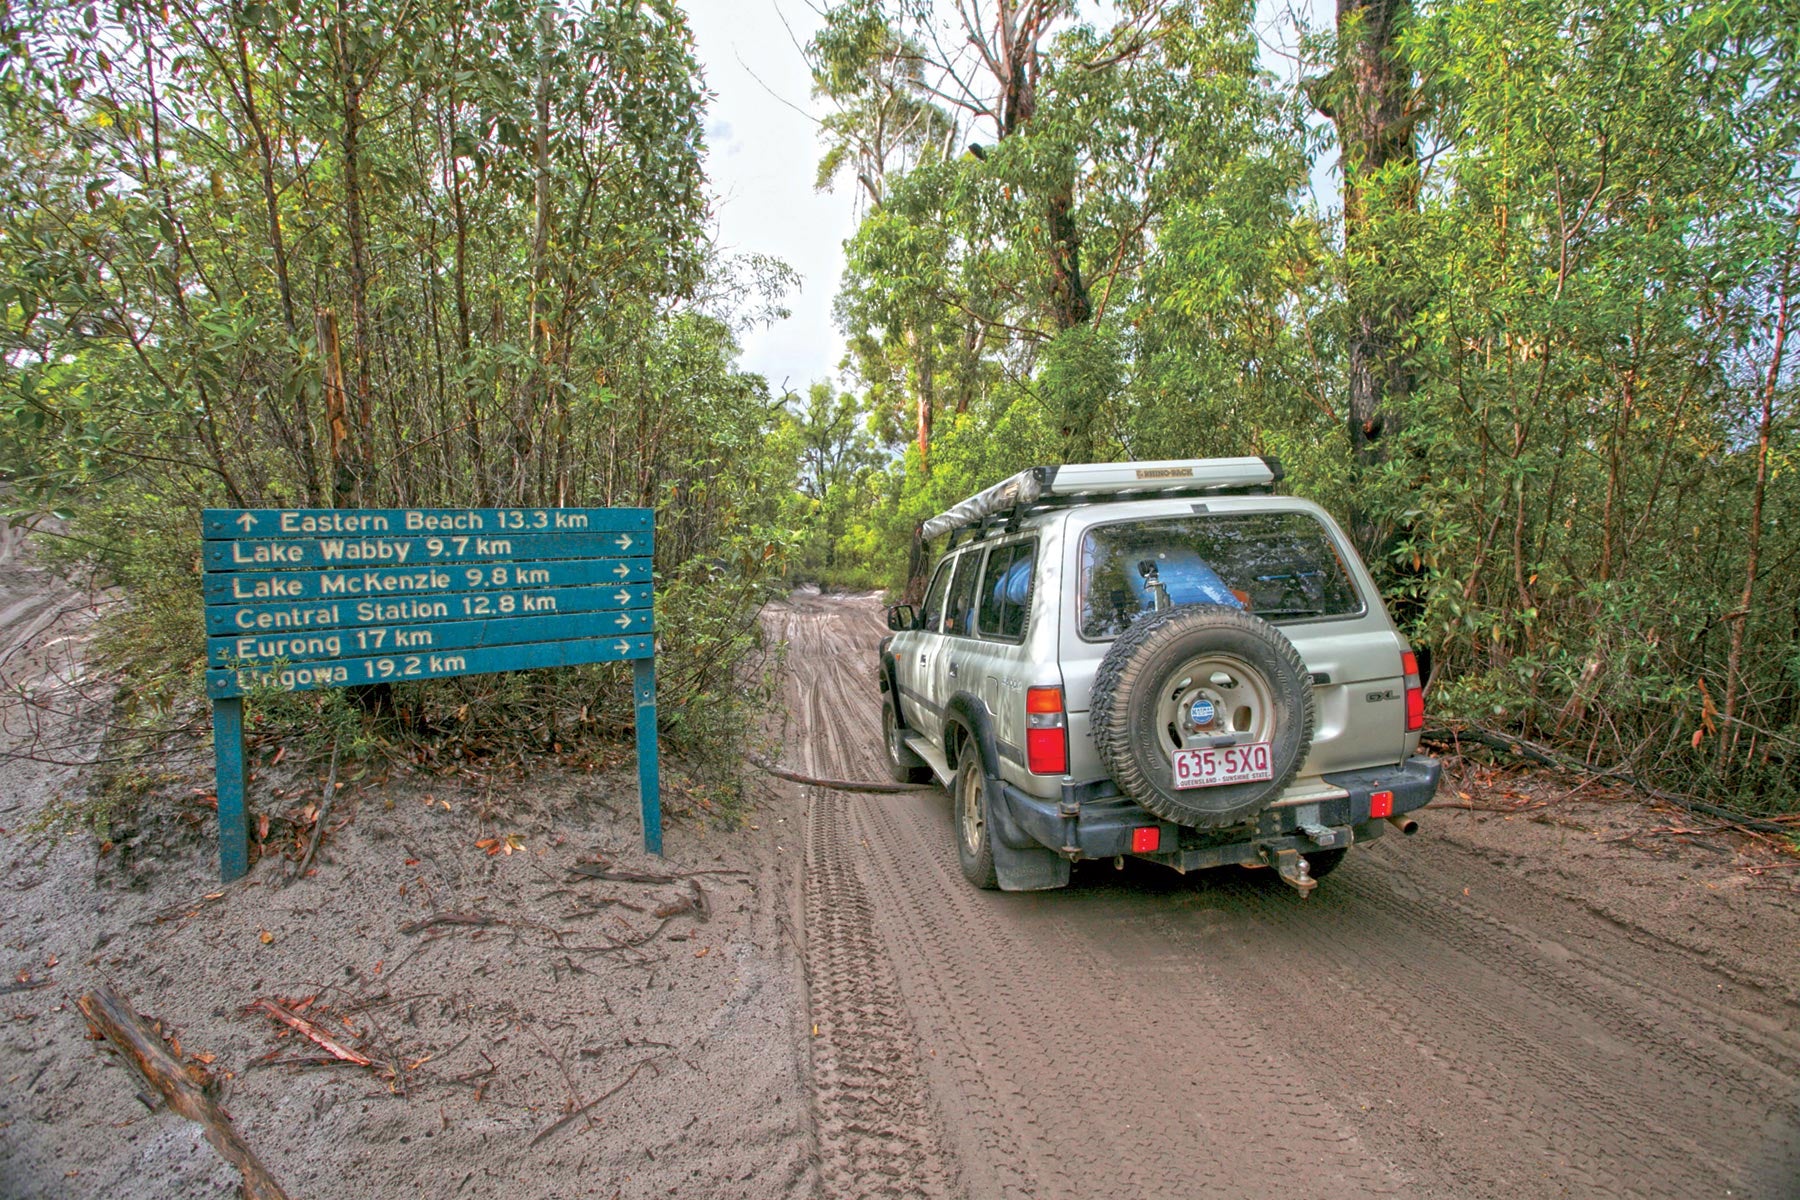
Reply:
x=247, y=522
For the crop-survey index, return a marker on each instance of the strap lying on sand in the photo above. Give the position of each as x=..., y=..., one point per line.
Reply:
x=836, y=785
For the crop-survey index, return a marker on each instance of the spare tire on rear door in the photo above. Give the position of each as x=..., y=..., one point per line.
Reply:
x=1196, y=678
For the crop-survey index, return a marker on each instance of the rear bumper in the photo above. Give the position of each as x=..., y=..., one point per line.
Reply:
x=1413, y=783
x=1093, y=821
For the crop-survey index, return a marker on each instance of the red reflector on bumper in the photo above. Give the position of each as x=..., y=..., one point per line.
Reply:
x=1147, y=840
x=1381, y=804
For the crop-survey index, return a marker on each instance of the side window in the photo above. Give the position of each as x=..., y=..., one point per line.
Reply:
x=959, y=611
x=931, y=613
x=1006, y=591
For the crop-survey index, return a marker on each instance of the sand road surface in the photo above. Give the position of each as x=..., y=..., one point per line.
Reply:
x=1577, y=1002
x=1485, y=1010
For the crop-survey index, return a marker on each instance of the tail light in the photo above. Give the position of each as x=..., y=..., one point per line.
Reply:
x=1415, y=692
x=1046, y=731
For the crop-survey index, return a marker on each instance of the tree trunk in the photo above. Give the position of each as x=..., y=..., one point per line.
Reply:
x=927, y=397
x=464, y=318
x=309, y=460
x=354, y=83
x=1070, y=306
x=1740, y=620
x=337, y=412
x=1369, y=98
x=536, y=335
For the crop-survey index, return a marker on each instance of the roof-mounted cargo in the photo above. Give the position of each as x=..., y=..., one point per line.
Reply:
x=1090, y=483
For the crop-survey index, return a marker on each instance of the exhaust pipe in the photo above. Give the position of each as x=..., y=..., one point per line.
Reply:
x=1405, y=824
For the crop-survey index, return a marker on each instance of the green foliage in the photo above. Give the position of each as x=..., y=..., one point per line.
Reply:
x=827, y=434
x=1589, y=283
x=487, y=219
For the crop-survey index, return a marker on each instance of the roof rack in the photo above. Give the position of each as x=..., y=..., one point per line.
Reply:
x=1094, y=483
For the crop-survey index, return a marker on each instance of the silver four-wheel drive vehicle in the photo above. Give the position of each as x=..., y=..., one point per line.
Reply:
x=1156, y=659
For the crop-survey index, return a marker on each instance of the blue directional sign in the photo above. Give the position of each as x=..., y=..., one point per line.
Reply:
x=261, y=523
x=308, y=616
x=233, y=585
x=309, y=598
x=263, y=649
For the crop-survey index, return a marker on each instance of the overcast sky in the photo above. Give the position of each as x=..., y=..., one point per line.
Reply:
x=762, y=155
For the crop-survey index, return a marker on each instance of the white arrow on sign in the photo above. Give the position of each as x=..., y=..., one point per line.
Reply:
x=621, y=570
x=624, y=646
x=624, y=621
x=624, y=542
x=624, y=597
x=247, y=522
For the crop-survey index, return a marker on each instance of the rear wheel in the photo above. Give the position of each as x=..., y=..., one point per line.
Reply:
x=974, y=847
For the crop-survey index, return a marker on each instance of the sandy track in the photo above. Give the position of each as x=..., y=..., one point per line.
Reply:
x=673, y=1008
x=1432, y=1022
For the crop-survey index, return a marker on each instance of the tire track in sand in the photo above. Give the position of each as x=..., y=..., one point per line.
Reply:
x=876, y=1127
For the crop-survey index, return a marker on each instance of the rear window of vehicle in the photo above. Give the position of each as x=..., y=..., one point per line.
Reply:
x=1006, y=591
x=1279, y=566
x=959, y=610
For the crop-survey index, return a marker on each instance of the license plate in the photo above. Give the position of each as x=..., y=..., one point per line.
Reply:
x=1219, y=765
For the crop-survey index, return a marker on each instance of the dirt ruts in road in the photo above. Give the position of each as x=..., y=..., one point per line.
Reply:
x=876, y=1125
x=1433, y=1022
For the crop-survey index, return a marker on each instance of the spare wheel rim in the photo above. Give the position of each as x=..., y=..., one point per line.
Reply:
x=1241, y=699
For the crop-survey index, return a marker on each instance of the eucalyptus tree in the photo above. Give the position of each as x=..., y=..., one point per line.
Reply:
x=1604, y=391
x=1373, y=100
x=389, y=252
x=1026, y=249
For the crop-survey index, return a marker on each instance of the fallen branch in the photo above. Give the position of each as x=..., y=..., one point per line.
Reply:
x=1506, y=809
x=472, y=919
x=273, y=1059
x=616, y=944
x=603, y=869
x=324, y=812
x=1545, y=757
x=836, y=785
x=113, y=1018
x=477, y=920
x=608, y=1094
x=317, y=1035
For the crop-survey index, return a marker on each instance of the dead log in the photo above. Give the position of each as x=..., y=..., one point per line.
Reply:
x=113, y=1018
x=1544, y=757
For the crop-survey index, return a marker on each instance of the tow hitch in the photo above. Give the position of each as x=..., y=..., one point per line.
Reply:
x=1291, y=866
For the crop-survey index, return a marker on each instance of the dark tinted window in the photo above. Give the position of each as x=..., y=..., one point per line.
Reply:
x=1280, y=566
x=931, y=612
x=1006, y=590
x=959, y=610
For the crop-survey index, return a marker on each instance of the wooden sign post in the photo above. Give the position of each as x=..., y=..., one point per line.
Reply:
x=298, y=599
